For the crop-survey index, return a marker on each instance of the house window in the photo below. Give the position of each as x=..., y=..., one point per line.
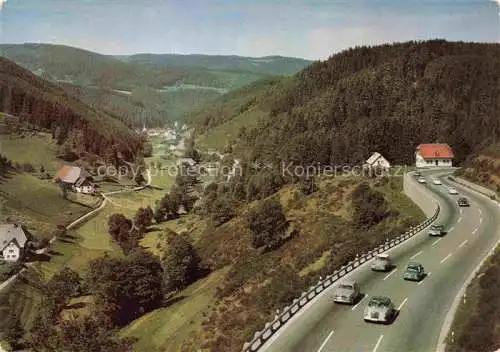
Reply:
x=11, y=251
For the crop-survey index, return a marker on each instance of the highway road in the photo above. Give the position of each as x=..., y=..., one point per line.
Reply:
x=422, y=307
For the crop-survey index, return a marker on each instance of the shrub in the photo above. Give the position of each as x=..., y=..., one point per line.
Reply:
x=370, y=206
x=181, y=263
x=268, y=223
x=222, y=211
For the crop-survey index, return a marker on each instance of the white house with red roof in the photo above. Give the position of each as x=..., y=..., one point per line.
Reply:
x=434, y=155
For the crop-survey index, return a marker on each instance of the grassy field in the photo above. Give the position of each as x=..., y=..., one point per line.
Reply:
x=39, y=204
x=217, y=137
x=37, y=150
x=167, y=328
x=164, y=176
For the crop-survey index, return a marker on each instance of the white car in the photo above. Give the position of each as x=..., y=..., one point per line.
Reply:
x=347, y=292
x=437, y=182
x=421, y=180
x=452, y=190
x=382, y=262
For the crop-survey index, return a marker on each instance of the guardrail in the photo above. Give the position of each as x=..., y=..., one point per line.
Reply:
x=477, y=188
x=288, y=312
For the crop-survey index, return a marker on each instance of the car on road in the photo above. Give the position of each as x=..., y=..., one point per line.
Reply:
x=417, y=174
x=436, y=181
x=382, y=263
x=414, y=272
x=421, y=180
x=452, y=190
x=380, y=309
x=347, y=292
x=436, y=230
x=463, y=202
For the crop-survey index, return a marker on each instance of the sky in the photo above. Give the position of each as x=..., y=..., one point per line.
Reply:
x=311, y=29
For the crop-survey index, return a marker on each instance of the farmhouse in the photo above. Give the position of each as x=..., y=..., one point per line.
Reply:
x=376, y=160
x=79, y=179
x=434, y=155
x=12, y=242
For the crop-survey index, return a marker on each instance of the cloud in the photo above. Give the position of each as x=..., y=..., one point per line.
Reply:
x=2, y=3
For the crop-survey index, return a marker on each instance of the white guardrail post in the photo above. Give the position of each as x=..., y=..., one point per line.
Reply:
x=270, y=328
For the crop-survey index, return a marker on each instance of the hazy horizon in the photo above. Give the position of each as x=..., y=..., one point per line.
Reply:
x=312, y=30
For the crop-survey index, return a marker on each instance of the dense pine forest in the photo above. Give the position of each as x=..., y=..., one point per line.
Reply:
x=387, y=98
x=75, y=126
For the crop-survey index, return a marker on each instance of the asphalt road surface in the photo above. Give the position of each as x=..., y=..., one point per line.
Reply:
x=422, y=307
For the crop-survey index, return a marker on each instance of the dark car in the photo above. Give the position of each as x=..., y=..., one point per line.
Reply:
x=414, y=272
x=463, y=202
x=436, y=230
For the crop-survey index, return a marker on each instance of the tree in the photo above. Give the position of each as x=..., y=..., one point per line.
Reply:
x=222, y=211
x=370, y=206
x=87, y=334
x=268, y=223
x=168, y=206
x=125, y=289
x=122, y=231
x=14, y=331
x=143, y=218
x=148, y=150
x=190, y=151
x=62, y=286
x=180, y=262
x=65, y=188
x=118, y=224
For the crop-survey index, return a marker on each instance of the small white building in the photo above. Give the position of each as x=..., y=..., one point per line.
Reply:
x=189, y=161
x=376, y=160
x=12, y=242
x=434, y=155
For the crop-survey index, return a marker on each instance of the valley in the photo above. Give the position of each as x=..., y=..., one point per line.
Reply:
x=205, y=236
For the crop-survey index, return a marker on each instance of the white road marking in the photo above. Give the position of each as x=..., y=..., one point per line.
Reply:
x=463, y=243
x=475, y=230
x=436, y=242
x=402, y=303
x=357, y=304
x=480, y=211
x=459, y=218
x=451, y=228
x=416, y=255
x=392, y=272
x=326, y=340
x=445, y=258
x=422, y=281
x=378, y=343
x=480, y=220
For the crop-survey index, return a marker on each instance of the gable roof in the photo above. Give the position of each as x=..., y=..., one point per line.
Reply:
x=70, y=174
x=374, y=157
x=11, y=232
x=435, y=151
